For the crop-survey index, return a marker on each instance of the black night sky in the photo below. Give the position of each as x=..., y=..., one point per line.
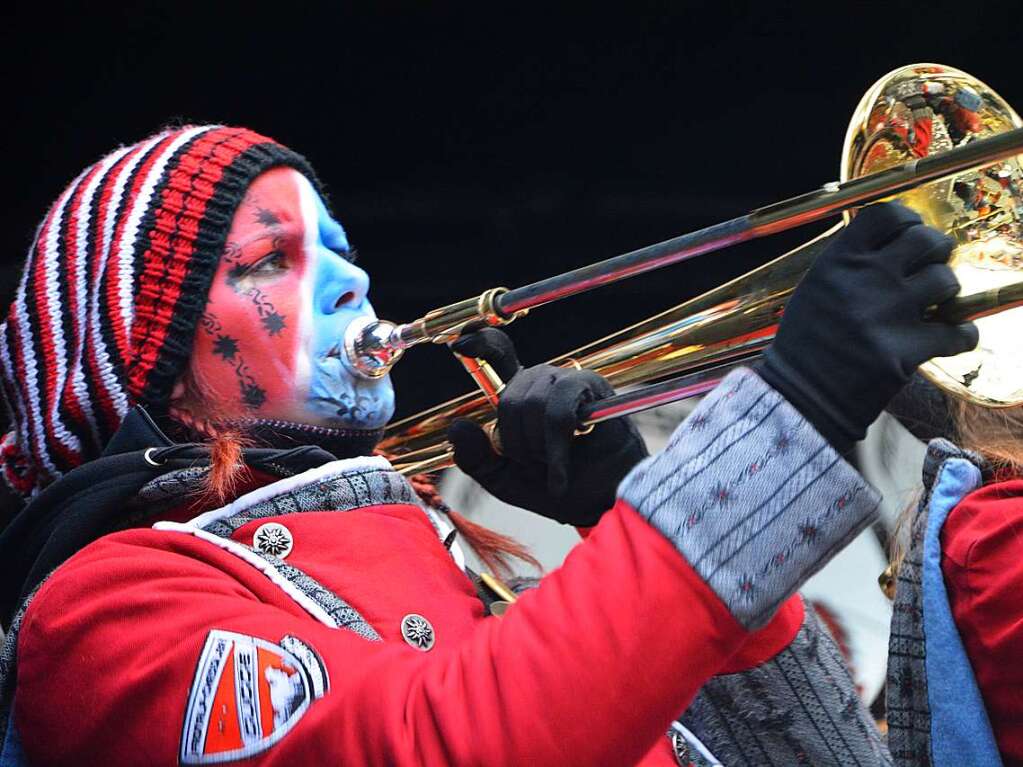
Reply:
x=467, y=146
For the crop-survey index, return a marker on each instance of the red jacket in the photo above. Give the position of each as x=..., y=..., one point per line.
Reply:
x=154, y=645
x=982, y=561
x=579, y=671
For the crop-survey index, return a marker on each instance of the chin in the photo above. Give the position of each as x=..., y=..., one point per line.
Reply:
x=337, y=400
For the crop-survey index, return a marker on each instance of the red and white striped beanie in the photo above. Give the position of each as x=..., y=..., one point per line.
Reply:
x=115, y=282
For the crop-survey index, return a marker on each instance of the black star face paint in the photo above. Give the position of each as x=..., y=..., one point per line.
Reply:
x=267, y=217
x=225, y=347
x=281, y=299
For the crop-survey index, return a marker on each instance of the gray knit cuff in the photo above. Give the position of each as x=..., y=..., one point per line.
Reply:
x=799, y=707
x=751, y=495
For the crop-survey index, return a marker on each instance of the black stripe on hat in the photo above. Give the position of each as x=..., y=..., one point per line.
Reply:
x=10, y=386
x=34, y=345
x=106, y=421
x=149, y=220
x=106, y=309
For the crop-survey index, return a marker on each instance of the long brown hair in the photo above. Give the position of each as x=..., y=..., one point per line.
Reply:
x=995, y=434
x=195, y=412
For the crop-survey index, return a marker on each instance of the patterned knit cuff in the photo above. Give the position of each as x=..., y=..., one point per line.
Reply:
x=752, y=496
x=799, y=707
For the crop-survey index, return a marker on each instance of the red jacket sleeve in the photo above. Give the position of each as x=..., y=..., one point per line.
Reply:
x=982, y=561
x=765, y=643
x=587, y=669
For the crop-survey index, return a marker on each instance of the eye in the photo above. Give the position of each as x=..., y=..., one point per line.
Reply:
x=269, y=265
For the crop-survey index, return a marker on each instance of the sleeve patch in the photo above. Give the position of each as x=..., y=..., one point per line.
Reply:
x=246, y=695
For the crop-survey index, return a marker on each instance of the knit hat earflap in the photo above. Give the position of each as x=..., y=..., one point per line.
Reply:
x=114, y=285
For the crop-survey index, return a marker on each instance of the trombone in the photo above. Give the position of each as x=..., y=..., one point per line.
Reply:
x=936, y=138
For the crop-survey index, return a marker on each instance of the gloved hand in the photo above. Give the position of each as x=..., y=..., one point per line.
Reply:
x=543, y=466
x=854, y=331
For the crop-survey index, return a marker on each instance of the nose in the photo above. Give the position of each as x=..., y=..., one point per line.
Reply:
x=340, y=284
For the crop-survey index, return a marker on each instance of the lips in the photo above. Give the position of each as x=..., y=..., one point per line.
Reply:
x=336, y=352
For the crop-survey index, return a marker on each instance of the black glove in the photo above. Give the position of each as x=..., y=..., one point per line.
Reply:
x=543, y=466
x=854, y=331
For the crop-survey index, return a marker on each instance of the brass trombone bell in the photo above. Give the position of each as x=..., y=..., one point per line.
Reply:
x=924, y=110
x=913, y=118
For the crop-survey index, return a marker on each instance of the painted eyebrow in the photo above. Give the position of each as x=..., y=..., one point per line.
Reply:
x=267, y=234
x=286, y=231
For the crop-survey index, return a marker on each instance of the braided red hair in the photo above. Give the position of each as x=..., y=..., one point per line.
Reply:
x=493, y=549
x=227, y=470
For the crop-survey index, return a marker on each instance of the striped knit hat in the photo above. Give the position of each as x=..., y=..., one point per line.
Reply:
x=113, y=287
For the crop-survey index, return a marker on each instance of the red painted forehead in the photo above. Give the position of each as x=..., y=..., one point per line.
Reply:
x=271, y=202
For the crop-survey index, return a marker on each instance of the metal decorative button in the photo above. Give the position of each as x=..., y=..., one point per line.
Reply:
x=417, y=631
x=680, y=748
x=274, y=539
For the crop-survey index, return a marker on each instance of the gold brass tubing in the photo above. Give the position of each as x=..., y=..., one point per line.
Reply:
x=427, y=453
x=444, y=461
x=486, y=378
x=494, y=435
x=703, y=331
x=487, y=308
x=498, y=588
x=444, y=325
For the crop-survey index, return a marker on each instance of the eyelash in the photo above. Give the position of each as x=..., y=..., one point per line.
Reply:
x=277, y=261
x=270, y=264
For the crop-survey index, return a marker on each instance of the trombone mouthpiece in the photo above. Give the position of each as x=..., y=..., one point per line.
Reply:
x=371, y=347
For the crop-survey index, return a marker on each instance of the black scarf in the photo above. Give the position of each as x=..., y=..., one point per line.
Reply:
x=92, y=499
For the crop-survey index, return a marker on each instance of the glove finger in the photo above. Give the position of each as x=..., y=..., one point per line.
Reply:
x=876, y=224
x=560, y=422
x=559, y=429
x=474, y=454
x=598, y=386
x=918, y=247
x=934, y=284
x=492, y=345
x=937, y=339
x=520, y=413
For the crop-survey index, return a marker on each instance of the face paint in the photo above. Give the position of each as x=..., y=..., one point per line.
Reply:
x=283, y=294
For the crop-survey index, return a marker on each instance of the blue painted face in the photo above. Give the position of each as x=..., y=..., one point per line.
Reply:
x=339, y=296
x=284, y=293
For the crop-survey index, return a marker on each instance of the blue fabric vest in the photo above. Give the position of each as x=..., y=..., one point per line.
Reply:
x=936, y=712
x=12, y=755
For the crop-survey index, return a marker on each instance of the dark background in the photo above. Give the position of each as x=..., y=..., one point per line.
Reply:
x=472, y=146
